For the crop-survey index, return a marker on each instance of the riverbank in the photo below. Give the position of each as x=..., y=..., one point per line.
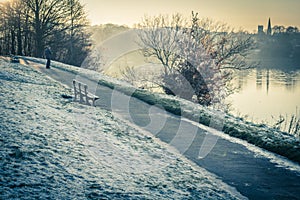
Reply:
x=54, y=148
x=274, y=98
x=259, y=135
x=252, y=171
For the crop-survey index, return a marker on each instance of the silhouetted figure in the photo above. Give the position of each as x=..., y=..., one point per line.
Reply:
x=48, y=56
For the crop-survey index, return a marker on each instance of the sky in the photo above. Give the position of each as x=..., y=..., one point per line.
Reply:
x=246, y=14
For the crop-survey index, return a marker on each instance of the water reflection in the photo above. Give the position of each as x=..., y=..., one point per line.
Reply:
x=268, y=80
x=264, y=94
x=259, y=79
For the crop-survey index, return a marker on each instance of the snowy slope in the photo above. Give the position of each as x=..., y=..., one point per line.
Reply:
x=54, y=148
x=260, y=135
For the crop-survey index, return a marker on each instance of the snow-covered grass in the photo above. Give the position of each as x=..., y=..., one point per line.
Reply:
x=52, y=148
x=260, y=135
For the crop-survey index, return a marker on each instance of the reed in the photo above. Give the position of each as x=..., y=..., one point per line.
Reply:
x=289, y=123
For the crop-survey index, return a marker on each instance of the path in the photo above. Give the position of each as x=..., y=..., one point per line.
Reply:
x=253, y=175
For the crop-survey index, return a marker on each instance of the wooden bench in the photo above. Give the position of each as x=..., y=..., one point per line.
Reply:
x=81, y=91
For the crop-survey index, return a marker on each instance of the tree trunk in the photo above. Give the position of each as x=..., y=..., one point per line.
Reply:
x=19, y=38
x=13, y=42
x=38, y=33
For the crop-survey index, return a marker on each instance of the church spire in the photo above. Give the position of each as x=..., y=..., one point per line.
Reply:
x=269, y=30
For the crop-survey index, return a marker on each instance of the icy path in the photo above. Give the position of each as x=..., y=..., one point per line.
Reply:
x=52, y=148
x=255, y=173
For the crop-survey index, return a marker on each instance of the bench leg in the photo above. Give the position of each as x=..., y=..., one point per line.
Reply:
x=87, y=102
x=76, y=96
x=75, y=92
x=81, y=97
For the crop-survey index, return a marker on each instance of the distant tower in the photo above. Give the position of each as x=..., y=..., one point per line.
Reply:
x=260, y=29
x=269, y=30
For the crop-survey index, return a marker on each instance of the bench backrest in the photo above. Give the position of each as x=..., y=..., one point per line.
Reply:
x=80, y=86
x=81, y=89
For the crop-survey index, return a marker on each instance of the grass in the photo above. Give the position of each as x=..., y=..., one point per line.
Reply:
x=289, y=124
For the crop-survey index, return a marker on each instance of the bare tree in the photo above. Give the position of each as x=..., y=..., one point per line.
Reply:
x=10, y=24
x=142, y=77
x=197, y=55
x=76, y=33
x=158, y=36
x=47, y=18
x=28, y=25
x=4, y=29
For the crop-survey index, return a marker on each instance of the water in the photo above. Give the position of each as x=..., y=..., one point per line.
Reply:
x=265, y=94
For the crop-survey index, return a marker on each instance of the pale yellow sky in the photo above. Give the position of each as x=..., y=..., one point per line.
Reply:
x=246, y=14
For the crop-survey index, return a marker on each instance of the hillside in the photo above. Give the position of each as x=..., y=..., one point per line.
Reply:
x=52, y=147
x=260, y=135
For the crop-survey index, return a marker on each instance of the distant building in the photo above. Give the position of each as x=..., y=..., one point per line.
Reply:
x=260, y=29
x=269, y=30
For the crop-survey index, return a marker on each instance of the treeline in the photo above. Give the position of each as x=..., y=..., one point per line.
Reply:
x=282, y=45
x=27, y=26
x=277, y=29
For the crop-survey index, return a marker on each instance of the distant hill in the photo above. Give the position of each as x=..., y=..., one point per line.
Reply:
x=105, y=31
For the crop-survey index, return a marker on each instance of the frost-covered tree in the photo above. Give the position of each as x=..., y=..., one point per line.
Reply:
x=27, y=26
x=197, y=56
x=194, y=75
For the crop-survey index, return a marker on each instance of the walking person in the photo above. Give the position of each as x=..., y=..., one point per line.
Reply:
x=48, y=56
